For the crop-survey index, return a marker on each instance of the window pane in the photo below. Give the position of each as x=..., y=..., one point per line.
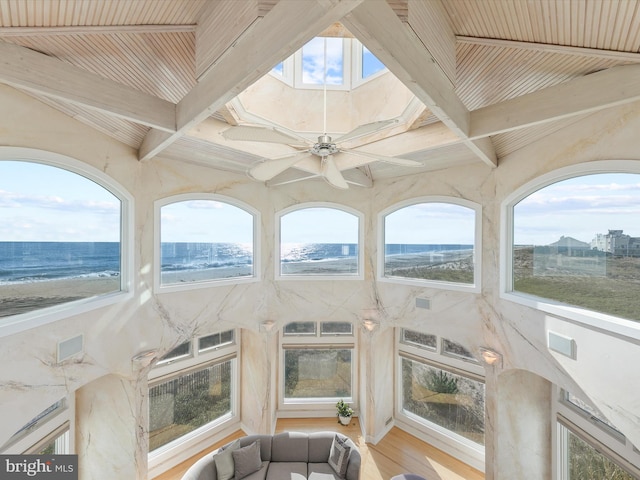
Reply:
x=59, y=237
x=205, y=240
x=585, y=463
x=181, y=350
x=336, y=328
x=57, y=446
x=430, y=241
x=575, y=239
x=313, y=65
x=370, y=64
x=456, y=350
x=311, y=373
x=319, y=241
x=215, y=340
x=278, y=69
x=300, y=328
x=451, y=401
x=423, y=340
x=183, y=404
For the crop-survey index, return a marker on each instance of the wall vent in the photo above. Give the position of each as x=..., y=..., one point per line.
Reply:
x=388, y=421
x=69, y=348
x=563, y=345
x=423, y=303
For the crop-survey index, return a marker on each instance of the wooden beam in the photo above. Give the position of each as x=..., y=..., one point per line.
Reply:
x=604, y=89
x=93, y=30
x=376, y=25
x=282, y=31
x=550, y=48
x=38, y=73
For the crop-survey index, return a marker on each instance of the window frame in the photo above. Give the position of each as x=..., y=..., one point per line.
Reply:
x=604, y=439
x=318, y=406
x=158, y=287
x=25, y=321
x=618, y=325
x=166, y=456
x=59, y=422
x=455, y=445
x=326, y=205
x=477, y=247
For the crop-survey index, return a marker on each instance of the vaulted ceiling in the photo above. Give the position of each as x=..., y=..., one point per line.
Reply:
x=490, y=76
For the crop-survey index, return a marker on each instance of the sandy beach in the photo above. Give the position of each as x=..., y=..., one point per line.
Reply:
x=23, y=297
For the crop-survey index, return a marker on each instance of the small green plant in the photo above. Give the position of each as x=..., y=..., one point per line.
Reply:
x=441, y=382
x=344, y=410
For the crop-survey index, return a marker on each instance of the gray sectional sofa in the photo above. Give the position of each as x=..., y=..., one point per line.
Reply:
x=289, y=455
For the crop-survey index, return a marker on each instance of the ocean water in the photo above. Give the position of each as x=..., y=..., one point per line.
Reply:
x=39, y=261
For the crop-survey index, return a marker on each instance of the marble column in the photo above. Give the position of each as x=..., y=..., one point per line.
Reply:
x=111, y=419
x=258, y=380
x=376, y=402
x=520, y=443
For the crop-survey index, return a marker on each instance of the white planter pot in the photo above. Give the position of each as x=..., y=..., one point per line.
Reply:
x=344, y=420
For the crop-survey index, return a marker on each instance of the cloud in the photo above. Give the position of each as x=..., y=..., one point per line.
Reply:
x=51, y=202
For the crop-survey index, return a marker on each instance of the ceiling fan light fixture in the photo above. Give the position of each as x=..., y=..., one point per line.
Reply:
x=324, y=147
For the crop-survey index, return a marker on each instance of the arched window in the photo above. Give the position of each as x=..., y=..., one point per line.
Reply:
x=434, y=240
x=575, y=240
x=319, y=241
x=61, y=233
x=205, y=238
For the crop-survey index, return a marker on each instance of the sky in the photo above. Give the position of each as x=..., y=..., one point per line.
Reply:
x=44, y=203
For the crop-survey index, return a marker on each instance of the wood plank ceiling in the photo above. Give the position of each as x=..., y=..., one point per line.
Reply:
x=498, y=74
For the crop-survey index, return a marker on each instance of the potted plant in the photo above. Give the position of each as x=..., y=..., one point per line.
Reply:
x=345, y=412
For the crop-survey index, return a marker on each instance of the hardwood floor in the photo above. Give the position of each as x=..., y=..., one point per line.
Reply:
x=398, y=452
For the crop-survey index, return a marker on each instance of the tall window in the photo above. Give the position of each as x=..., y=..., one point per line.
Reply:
x=60, y=236
x=192, y=390
x=317, y=363
x=319, y=241
x=441, y=392
x=431, y=242
x=577, y=238
x=205, y=239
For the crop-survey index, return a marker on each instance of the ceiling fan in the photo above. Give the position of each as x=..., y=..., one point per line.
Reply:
x=331, y=158
x=325, y=157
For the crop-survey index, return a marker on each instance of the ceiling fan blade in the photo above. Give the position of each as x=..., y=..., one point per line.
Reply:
x=269, y=168
x=366, y=129
x=404, y=162
x=248, y=133
x=332, y=174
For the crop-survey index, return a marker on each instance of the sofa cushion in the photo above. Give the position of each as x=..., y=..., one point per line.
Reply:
x=247, y=460
x=290, y=447
x=265, y=444
x=260, y=474
x=223, y=461
x=319, y=446
x=339, y=456
x=321, y=471
x=287, y=470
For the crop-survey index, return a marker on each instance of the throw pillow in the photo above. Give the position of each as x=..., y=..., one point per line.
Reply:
x=247, y=460
x=224, y=461
x=339, y=456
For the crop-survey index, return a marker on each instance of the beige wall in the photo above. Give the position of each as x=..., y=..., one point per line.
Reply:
x=31, y=380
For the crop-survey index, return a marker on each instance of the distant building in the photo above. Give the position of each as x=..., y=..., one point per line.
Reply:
x=617, y=243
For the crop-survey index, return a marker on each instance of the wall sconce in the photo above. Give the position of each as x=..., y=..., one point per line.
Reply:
x=145, y=358
x=370, y=324
x=491, y=357
x=267, y=326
